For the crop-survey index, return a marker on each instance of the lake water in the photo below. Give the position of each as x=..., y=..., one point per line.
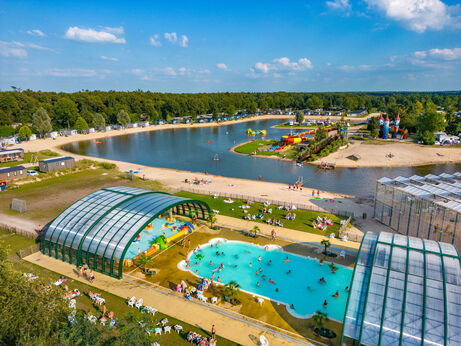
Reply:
x=295, y=281
x=193, y=149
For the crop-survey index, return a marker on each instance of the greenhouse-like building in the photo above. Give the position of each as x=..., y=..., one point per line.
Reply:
x=426, y=207
x=103, y=228
x=404, y=291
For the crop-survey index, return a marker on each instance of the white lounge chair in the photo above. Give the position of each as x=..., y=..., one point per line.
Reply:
x=92, y=319
x=164, y=321
x=260, y=301
x=138, y=303
x=158, y=331
x=342, y=254
x=332, y=235
x=132, y=301
x=167, y=329
x=150, y=310
x=202, y=298
x=214, y=300
x=177, y=328
x=72, y=303
x=263, y=341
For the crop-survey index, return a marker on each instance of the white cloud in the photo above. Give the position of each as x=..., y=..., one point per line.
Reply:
x=284, y=64
x=36, y=32
x=74, y=72
x=90, y=35
x=221, y=66
x=137, y=71
x=19, y=49
x=154, y=40
x=116, y=31
x=446, y=54
x=171, y=36
x=340, y=5
x=182, y=70
x=169, y=71
x=108, y=58
x=184, y=41
x=419, y=15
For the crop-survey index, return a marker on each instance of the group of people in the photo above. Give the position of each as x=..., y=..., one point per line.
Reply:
x=197, y=181
x=85, y=272
x=197, y=339
x=322, y=223
x=295, y=187
x=290, y=216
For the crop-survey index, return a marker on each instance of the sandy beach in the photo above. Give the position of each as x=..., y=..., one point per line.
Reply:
x=403, y=154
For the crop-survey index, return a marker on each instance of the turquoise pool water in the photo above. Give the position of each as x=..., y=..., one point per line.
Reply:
x=148, y=235
x=301, y=287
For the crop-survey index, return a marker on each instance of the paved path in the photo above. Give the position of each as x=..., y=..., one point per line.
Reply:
x=19, y=222
x=200, y=315
x=291, y=234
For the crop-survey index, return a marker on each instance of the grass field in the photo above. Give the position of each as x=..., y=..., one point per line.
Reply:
x=44, y=154
x=303, y=221
x=259, y=146
x=48, y=195
x=114, y=303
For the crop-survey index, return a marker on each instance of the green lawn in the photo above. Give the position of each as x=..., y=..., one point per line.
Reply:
x=114, y=303
x=44, y=154
x=303, y=221
x=260, y=147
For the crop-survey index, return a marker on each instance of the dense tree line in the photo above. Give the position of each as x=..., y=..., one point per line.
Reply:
x=100, y=107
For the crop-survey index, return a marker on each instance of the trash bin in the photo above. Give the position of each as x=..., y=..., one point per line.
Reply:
x=364, y=216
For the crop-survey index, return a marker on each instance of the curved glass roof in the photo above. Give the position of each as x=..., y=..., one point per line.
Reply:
x=105, y=222
x=405, y=291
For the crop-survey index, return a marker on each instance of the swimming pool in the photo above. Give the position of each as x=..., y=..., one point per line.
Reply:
x=148, y=235
x=300, y=287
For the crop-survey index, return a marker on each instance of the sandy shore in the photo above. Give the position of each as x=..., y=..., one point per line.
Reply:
x=404, y=154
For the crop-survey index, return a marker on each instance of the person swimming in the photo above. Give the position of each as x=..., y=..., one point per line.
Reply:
x=289, y=271
x=347, y=288
x=259, y=258
x=236, y=256
x=257, y=284
x=287, y=260
x=260, y=270
x=217, y=253
x=276, y=290
x=322, y=280
x=256, y=272
x=264, y=277
x=292, y=307
x=211, y=263
x=270, y=262
x=309, y=288
x=325, y=303
x=222, y=253
x=271, y=281
x=336, y=295
x=251, y=265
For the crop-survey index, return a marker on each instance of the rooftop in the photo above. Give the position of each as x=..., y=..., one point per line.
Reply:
x=443, y=189
x=56, y=159
x=11, y=169
x=406, y=291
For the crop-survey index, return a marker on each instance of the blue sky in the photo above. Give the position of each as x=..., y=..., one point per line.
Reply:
x=206, y=46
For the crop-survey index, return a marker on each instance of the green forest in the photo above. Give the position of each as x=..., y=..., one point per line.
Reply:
x=96, y=108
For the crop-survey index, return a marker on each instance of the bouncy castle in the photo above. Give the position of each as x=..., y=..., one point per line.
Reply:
x=387, y=131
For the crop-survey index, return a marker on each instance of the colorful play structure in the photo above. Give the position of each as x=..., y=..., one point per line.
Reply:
x=304, y=136
x=386, y=130
x=251, y=132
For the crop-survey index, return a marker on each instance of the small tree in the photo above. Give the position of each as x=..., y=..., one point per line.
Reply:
x=232, y=290
x=320, y=134
x=211, y=219
x=299, y=117
x=145, y=261
x=123, y=118
x=319, y=319
x=98, y=120
x=255, y=230
x=41, y=121
x=327, y=244
x=24, y=132
x=81, y=125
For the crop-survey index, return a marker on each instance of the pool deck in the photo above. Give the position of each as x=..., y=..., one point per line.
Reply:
x=200, y=315
x=291, y=234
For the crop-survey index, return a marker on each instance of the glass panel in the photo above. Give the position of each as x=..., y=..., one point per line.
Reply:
x=435, y=315
x=416, y=263
x=393, y=307
x=413, y=318
x=431, y=245
x=400, y=240
x=385, y=237
x=374, y=306
x=399, y=259
x=382, y=255
x=453, y=314
x=452, y=270
x=366, y=251
x=415, y=243
x=448, y=249
x=433, y=266
x=354, y=312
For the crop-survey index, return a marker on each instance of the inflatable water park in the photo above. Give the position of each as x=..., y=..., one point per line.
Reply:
x=388, y=130
x=307, y=135
x=251, y=132
x=158, y=235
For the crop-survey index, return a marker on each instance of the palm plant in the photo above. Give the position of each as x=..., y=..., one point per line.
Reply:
x=211, y=219
x=145, y=261
x=232, y=290
x=319, y=319
x=255, y=230
x=327, y=244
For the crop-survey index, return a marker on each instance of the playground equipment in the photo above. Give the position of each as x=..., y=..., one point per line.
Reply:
x=387, y=131
x=251, y=132
x=303, y=136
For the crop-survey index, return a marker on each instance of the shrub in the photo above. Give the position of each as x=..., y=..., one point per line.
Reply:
x=106, y=165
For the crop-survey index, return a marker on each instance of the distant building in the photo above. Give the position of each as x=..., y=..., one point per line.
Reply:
x=52, y=134
x=33, y=137
x=12, y=155
x=91, y=130
x=9, y=173
x=160, y=122
x=68, y=132
x=106, y=128
x=144, y=123
x=358, y=112
x=131, y=125
x=56, y=164
x=7, y=141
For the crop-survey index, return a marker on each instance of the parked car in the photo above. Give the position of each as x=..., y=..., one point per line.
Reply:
x=31, y=172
